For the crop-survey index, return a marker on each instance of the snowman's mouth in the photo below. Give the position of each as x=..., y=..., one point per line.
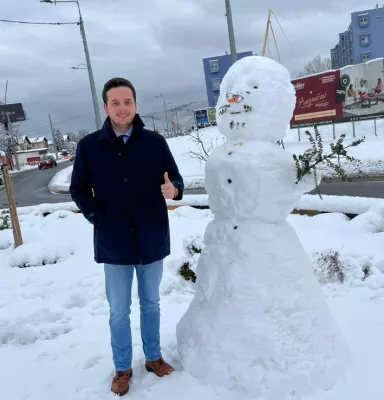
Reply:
x=235, y=112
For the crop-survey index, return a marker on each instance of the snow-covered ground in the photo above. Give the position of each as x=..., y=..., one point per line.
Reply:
x=54, y=335
x=61, y=181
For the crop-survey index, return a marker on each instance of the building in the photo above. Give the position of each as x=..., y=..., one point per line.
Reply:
x=26, y=143
x=362, y=41
x=39, y=142
x=29, y=157
x=214, y=70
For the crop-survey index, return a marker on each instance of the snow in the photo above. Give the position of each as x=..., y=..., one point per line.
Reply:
x=255, y=285
x=25, y=167
x=37, y=139
x=54, y=318
x=61, y=181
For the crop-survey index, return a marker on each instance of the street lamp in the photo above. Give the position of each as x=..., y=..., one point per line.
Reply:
x=88, y=59
x=231, y=32
x=165, y=111
x=80, y=66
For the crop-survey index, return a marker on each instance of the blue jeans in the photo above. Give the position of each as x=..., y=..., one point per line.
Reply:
x=118, y=285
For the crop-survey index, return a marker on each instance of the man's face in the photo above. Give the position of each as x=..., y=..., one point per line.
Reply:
x=121, y=106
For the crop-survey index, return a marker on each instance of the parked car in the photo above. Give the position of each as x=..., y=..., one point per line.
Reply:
x=47, y=162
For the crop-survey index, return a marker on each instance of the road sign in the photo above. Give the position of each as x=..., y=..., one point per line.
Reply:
x=15, y=112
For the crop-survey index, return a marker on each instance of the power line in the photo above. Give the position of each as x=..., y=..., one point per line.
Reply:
x=39, y=23
x=56, y=123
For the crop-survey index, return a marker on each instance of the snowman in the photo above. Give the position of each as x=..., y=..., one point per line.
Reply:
x=258, y=322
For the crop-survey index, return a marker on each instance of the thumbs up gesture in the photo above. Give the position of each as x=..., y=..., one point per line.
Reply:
x=167, y=189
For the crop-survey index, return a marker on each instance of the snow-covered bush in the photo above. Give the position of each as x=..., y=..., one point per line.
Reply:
x=328, y=267
x=5, y=220
x=332, y=267
x=193, y=246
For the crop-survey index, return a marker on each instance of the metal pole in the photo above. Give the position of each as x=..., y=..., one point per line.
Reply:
x=166, y=115
x=90, y=72
x=334, y=131
x=374, y=121
x=231, y=31
x=53, y=137
x=298, y=132
x=353, y=129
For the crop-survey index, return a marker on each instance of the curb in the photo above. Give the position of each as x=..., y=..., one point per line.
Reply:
x=59, y=192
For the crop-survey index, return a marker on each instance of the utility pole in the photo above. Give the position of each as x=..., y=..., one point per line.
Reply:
x=166, y=115
x=231, y=32
x=87, y=57
x=53, y=137
x=90, y=73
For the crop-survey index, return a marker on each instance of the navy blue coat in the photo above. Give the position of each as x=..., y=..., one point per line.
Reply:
x=118, y=189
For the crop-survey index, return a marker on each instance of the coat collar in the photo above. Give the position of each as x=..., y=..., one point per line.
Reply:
x=106, y=132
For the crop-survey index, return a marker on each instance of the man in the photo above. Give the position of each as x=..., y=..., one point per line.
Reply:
x=121, y=177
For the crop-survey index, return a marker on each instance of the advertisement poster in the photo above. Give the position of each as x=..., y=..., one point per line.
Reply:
x=201, y=116
x=353, y=93
x=211, y=114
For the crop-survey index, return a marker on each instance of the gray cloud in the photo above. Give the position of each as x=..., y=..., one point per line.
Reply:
x=159, y=45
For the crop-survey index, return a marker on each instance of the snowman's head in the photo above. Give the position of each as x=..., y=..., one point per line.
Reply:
x=256, y=100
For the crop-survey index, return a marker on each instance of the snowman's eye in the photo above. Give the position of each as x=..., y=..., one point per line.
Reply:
x=255, y=87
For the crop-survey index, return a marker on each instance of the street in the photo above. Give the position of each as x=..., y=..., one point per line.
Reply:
x=30, y=187
x=372, y=187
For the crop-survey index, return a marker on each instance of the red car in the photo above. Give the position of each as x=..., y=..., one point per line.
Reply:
x=47, y=162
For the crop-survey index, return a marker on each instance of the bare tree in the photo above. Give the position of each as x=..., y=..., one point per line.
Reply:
x=315, y=66
x=82, y=133
x=203, y=151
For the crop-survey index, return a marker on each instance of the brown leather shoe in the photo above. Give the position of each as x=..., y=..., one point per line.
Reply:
x=159, y=367
x=120, y=382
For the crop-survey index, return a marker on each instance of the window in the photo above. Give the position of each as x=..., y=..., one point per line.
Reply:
x=214, y=66
x=363, y=20
x=216, y=83
x=364, y=39
x=365, y=57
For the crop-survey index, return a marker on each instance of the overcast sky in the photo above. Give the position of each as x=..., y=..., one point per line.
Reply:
x=157, y=44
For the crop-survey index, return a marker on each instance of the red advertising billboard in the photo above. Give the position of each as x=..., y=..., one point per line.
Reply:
x=352, y=93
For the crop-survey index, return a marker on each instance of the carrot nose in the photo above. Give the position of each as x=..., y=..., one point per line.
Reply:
x=232, y=99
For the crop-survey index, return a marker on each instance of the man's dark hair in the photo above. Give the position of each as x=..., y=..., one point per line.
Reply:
x=115, y=83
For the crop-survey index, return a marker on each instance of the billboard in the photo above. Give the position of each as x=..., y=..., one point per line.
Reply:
x=352, y=93
x=201, y=116
x=15, y=112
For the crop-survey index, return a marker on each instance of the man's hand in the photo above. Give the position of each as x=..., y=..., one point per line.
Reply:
x=168, y=190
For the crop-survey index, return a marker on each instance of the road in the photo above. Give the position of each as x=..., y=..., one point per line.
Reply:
x=30, y=188
x=372, y=187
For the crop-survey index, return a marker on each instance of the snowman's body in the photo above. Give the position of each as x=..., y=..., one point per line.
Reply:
x=258, y=321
